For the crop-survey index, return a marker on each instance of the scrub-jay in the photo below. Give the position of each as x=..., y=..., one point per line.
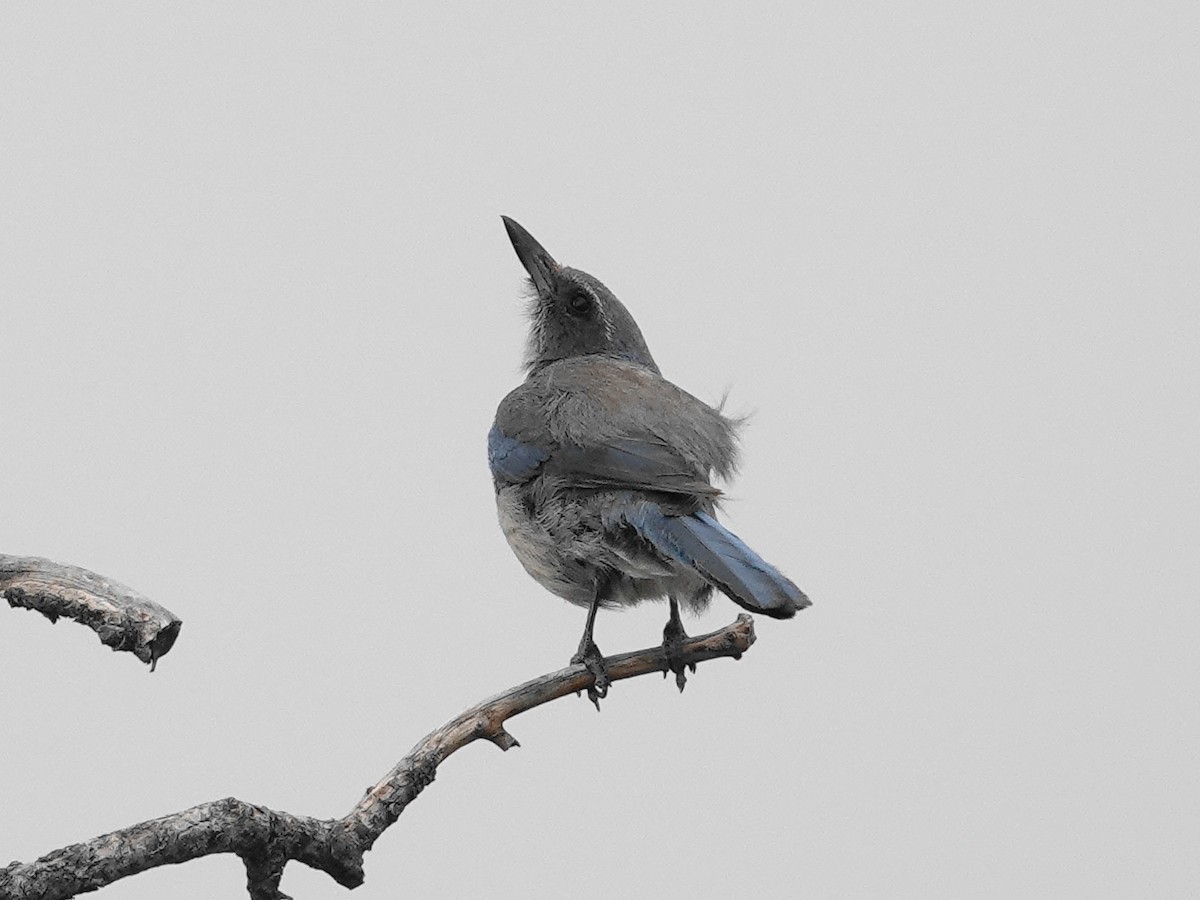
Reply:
x=602, y=469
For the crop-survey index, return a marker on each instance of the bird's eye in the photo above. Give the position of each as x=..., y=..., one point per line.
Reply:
x=579, y=304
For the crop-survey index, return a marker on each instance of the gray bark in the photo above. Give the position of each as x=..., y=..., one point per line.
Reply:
x=266, y=839
x=123, y=618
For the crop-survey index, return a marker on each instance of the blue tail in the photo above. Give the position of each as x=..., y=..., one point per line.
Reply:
x=718, y=555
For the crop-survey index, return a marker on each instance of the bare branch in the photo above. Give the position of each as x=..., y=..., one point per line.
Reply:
x=124, y=619
x=267, y=840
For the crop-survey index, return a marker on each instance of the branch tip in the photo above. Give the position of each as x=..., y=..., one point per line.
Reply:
x=504, y=740
x=123, y=618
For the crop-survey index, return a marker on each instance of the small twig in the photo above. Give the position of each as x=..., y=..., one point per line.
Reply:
x=266, y=839
x=123, y=618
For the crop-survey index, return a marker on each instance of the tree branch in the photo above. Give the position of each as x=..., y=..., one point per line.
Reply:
x=124, y=619
x=266, y=840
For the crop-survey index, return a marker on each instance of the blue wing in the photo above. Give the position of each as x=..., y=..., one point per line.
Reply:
x=632, y=463
x=635, y=463
x=599, y=423
x=704, y=545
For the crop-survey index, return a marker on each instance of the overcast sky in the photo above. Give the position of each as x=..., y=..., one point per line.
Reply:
x=257, y=309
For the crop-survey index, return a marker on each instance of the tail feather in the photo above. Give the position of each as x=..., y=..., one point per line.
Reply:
x=719, y=556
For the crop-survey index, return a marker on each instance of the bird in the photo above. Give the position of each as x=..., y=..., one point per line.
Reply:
x=603, y=470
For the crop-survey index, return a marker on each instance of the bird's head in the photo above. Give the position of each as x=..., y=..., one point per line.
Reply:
x=571, y=313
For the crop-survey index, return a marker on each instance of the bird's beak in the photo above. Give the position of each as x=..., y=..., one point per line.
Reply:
x=537, y=262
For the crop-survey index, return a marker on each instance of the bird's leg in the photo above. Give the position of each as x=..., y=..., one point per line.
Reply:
x=591, y=657
x=673, y=638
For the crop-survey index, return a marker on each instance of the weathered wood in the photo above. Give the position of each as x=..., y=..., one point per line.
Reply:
x=266, y=840
x=123, y=618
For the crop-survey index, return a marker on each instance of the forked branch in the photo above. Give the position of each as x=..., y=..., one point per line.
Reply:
x=266, y=840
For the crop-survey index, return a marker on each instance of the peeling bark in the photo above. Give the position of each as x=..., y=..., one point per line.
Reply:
x=123, y=618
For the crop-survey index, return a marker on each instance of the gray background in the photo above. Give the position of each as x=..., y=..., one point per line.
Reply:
x=258, y=309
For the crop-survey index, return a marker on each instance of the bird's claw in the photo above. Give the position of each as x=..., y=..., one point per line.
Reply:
x=592, y=659
x=673, y=638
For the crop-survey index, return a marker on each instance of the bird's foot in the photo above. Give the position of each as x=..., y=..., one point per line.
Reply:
x=592, y=659
x=673, y=638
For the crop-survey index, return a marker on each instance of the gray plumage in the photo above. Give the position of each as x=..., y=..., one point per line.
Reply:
x=603, y=469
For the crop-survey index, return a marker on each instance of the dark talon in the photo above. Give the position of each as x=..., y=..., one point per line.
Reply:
x=593, y=660
x=673, y=638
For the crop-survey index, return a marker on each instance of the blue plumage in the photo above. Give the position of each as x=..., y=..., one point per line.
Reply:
x=511, y=460
x=718, y=555
x=603, y=469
